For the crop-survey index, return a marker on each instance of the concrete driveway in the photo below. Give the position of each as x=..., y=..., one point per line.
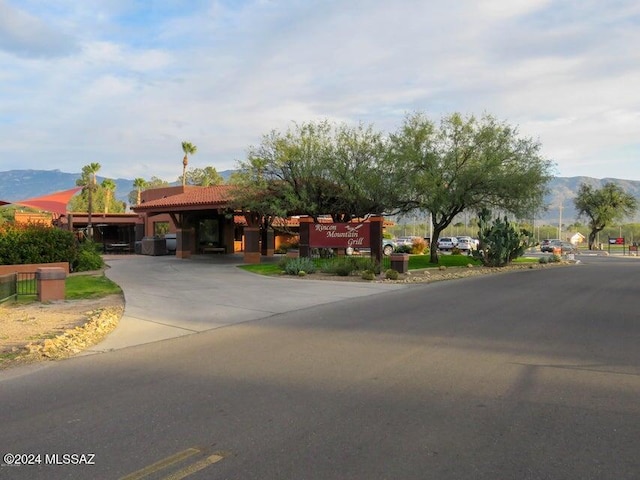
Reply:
x=167, y=297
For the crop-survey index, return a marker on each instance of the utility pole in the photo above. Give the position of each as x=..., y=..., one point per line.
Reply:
x=560, y=223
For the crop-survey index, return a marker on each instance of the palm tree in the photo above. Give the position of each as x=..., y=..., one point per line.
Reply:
x=139, y=183
x=188, y=149
x=89, y=182
x=109, y=187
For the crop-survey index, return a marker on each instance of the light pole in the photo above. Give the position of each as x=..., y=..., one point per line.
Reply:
x=560, y=223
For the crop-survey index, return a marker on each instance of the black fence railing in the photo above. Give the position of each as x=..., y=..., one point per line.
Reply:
x=27, y=284
x=14, y=284
x=8, y=286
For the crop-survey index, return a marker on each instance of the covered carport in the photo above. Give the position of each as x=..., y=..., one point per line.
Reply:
x=201, y=217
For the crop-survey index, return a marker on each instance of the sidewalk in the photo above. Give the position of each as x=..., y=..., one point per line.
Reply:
x=167, y=297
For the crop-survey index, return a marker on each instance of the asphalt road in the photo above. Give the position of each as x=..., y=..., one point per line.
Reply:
x=527, y=375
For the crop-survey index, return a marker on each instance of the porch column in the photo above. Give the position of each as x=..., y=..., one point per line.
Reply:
x=184, y=242
x=305, y=225
x=268, y=242
x=375, y=234
x=252, y=245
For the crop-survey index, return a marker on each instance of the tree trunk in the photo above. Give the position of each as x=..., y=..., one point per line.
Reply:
x=592, y=239
x=433, y=248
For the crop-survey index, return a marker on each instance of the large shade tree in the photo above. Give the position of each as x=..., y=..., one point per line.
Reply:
x=466, y=163
x=315, y=169
x=603, y=206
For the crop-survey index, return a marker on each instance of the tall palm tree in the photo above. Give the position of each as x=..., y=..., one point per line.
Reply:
x=109, y=187
x=89, y=182
x=139, y=183
x=188, y=149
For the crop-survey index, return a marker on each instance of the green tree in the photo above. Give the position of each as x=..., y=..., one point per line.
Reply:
x=109, y=187
x=204, y=177
x=139, y=184
x=88, y=181
x=315, y=169
x=603, y=206
x=142, y=185
x=188, y=149
x=466, y=164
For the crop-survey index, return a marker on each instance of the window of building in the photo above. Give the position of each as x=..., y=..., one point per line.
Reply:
x=160, y=228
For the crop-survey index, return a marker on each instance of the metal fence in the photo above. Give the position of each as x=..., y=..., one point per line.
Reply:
x=14, y=284
x=8, y=286
x=27, y=284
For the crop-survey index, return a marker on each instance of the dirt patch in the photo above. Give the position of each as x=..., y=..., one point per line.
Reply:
x=39, y=331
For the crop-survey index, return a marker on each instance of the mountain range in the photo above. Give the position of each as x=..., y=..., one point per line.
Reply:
x=16, y=185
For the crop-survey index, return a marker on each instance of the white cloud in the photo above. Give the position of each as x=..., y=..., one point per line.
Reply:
x=223, y=74
x=24, y=35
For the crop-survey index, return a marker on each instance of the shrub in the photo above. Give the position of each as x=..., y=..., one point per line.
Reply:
x=391, y=274
x=89, y=257
x=35, y=243
x=345, y=266
x=368, y=275
x=543, y=260
x=293, y=266
x=418, y=246
x=402, y=249
x=555, y=258
x=286, y=246
x=456, y=251
x=323, y=252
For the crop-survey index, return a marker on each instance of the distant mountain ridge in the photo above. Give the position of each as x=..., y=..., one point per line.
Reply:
x=18, y=185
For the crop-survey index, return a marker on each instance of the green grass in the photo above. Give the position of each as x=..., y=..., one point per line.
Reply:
x=423, y=261
x=526, y=260
x=89, y=286
x=263, y=268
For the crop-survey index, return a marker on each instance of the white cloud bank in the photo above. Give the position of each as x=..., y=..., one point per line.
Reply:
x=124, y=85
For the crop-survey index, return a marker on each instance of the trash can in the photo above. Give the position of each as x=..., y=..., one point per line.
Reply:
x=171, y=240
x=154, y=246
x=400, y=262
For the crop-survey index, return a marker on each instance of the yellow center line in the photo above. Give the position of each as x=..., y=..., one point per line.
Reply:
x=194, y=467
x=162, y=464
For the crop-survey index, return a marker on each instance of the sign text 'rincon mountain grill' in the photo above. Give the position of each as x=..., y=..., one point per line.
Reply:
x=339, y=235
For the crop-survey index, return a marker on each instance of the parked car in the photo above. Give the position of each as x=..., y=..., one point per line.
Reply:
x=545, y=245
x=565, y=247
x=405, y=241
x=447, y=244
x=465, y=244
x=388, y=246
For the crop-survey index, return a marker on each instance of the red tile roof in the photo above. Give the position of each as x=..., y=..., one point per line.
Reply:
x=218, y=195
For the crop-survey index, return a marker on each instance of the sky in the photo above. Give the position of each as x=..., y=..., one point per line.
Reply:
x=124, y=82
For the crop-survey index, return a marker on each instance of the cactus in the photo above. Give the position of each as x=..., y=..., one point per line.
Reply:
x=500, y=241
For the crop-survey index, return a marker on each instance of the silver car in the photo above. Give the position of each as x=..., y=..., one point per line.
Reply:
x=447, y=243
